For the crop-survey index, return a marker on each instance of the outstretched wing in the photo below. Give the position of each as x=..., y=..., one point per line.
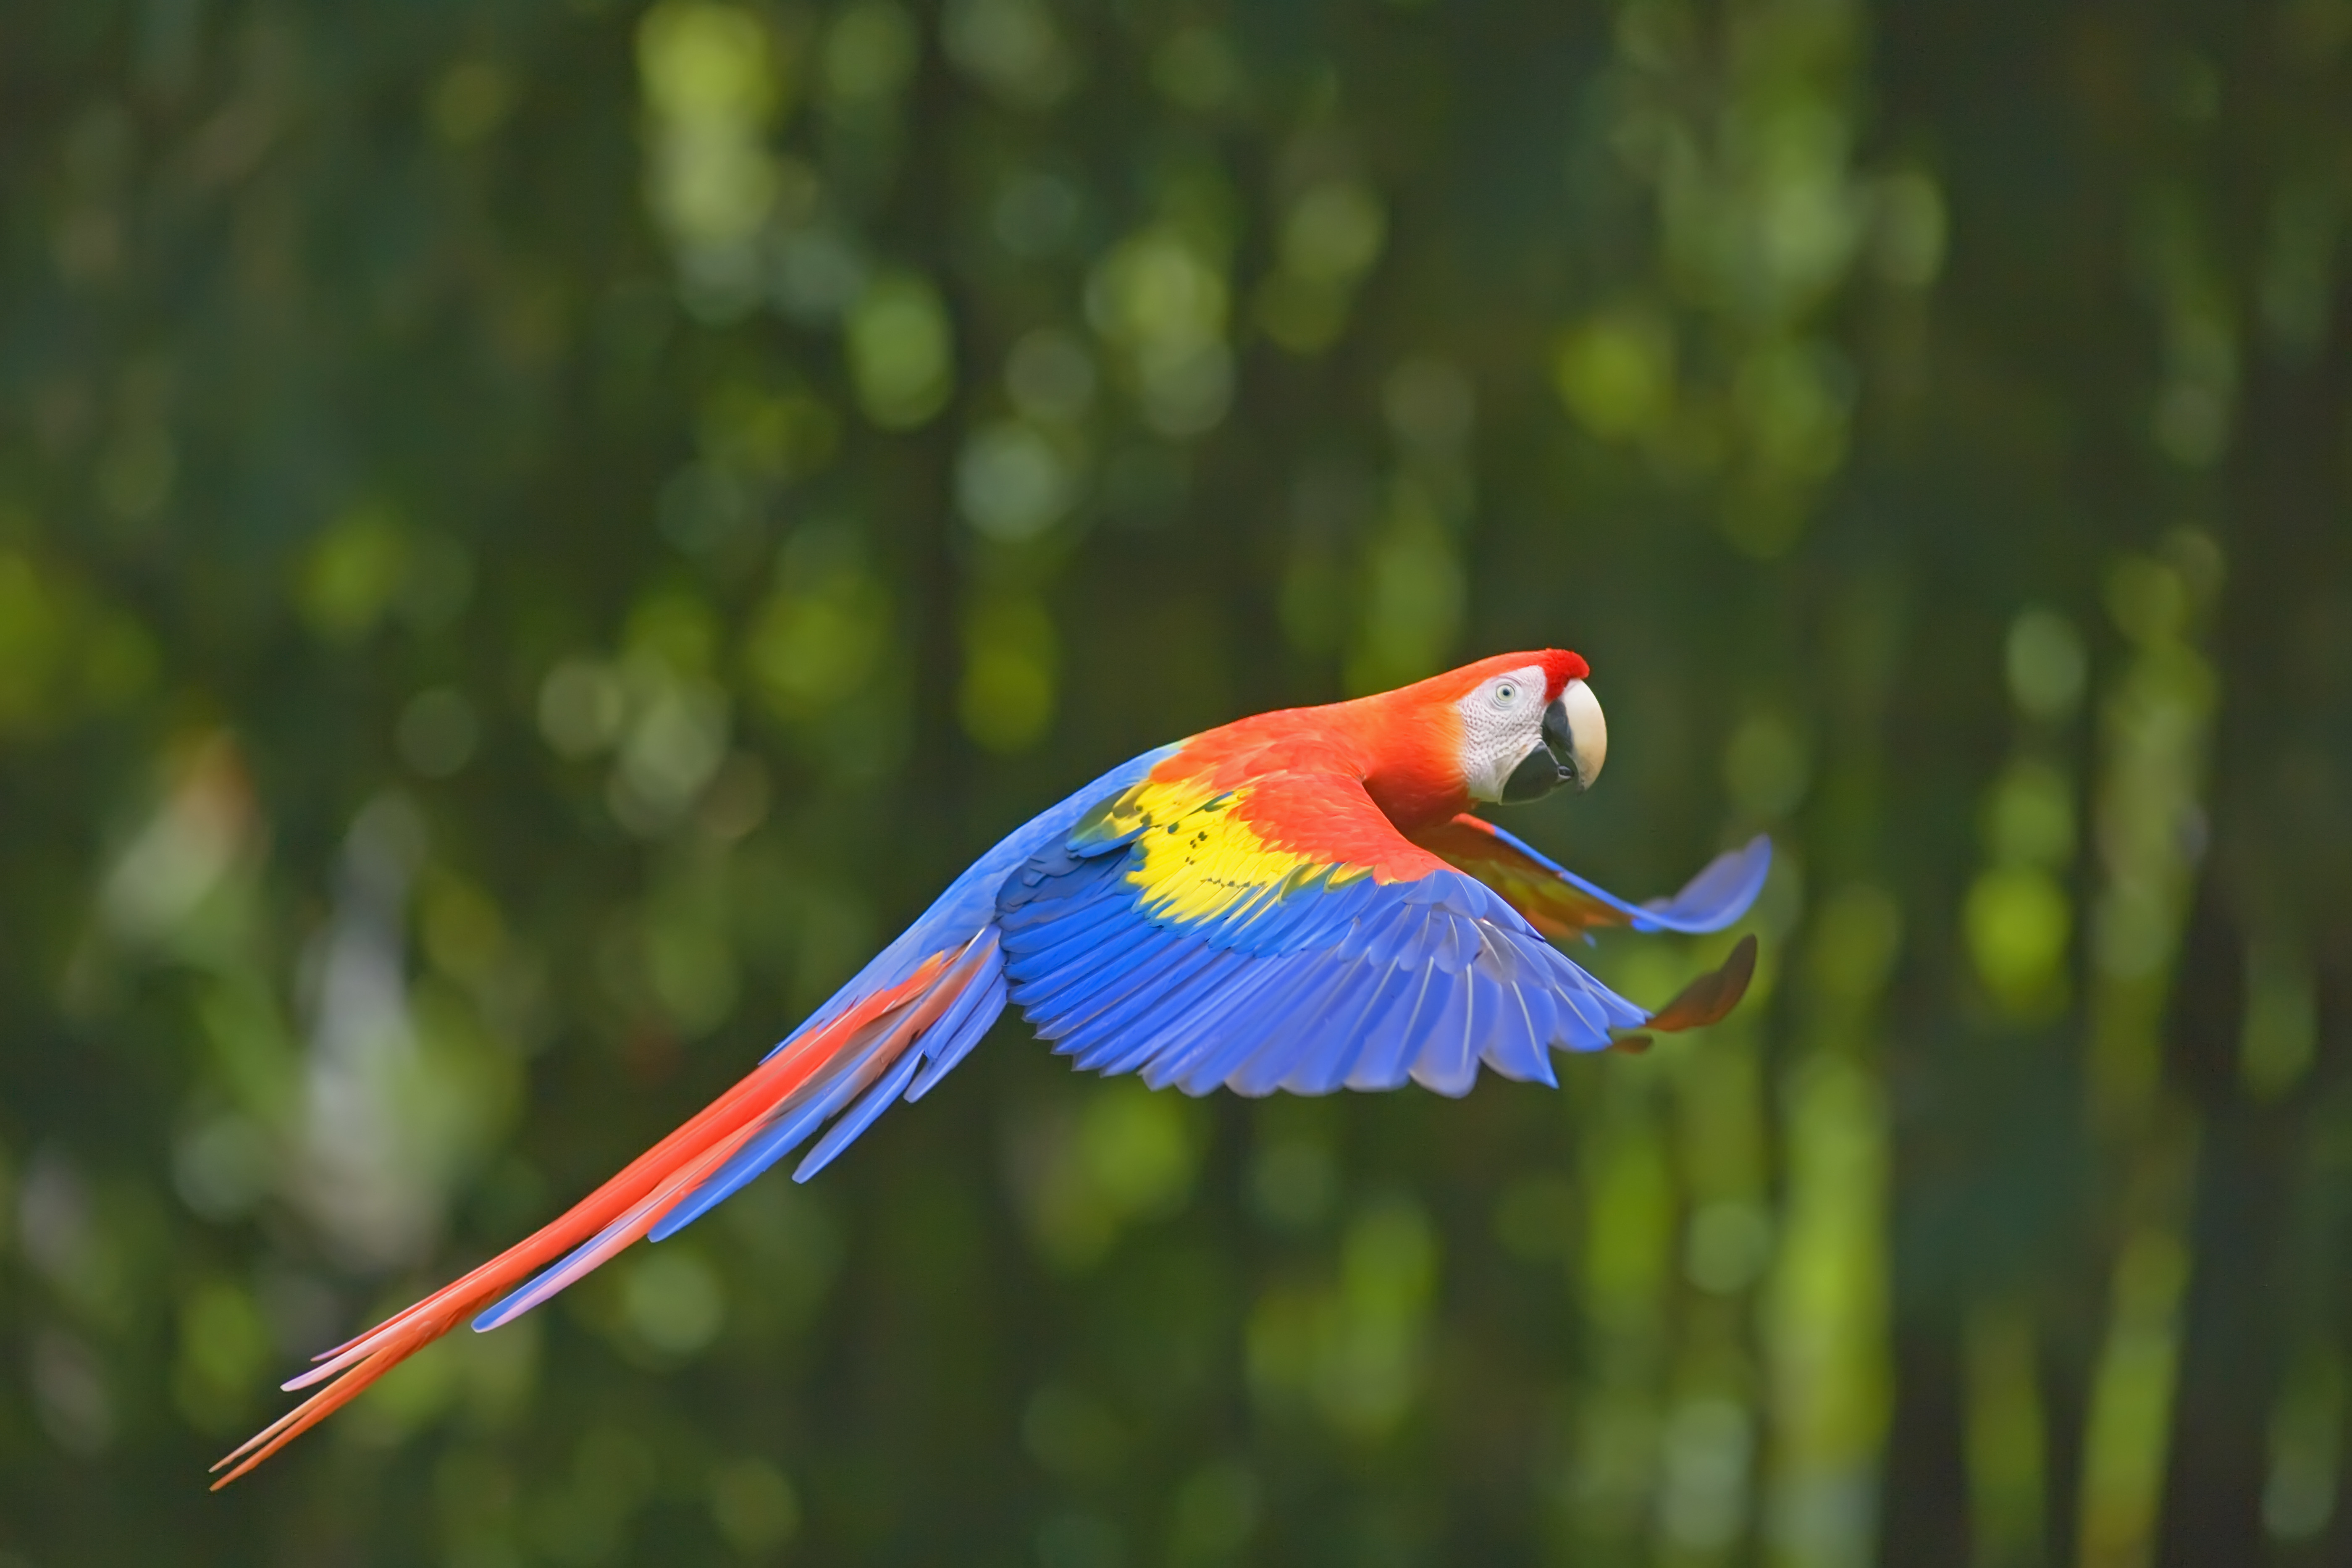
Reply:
x=1560, y=903
x=1283, y=934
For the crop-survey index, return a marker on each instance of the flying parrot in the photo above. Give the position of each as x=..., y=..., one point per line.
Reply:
x=1297, y=900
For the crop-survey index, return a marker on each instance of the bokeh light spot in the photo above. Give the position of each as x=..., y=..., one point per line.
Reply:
x=671, y=1298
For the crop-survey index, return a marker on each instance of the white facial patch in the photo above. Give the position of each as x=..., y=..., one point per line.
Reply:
x=1502, y=721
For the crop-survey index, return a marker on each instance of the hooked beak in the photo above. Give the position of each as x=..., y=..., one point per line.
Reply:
x=1575, y=745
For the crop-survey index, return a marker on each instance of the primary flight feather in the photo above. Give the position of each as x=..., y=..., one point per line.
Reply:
x=1297, y=901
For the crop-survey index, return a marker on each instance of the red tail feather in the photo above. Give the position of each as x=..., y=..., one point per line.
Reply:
x=645, y=1190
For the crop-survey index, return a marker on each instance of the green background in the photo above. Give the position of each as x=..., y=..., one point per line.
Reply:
x=533, y=537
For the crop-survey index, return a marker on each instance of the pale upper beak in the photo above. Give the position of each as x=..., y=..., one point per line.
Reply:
x=1582, y=742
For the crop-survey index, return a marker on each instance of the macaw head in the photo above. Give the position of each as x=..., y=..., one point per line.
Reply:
x=1529, y=724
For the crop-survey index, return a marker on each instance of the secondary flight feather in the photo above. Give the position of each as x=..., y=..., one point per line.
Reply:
x=1300, y=900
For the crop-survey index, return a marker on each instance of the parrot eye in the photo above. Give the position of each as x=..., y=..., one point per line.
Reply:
x=1507, y=692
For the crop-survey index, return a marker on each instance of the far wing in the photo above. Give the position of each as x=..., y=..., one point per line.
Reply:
x=1282, y=934
x=1562, y=904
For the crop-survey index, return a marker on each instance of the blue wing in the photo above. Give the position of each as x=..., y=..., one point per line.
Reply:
x=1189, y=949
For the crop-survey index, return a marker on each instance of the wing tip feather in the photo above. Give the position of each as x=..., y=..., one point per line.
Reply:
x=1710, y=999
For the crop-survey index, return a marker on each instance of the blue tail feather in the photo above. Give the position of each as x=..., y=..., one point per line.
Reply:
x=861, y=1116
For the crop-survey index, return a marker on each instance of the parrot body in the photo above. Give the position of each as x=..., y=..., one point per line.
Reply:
x=1297, y=901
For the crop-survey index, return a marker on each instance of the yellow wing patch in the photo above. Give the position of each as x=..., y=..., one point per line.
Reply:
x=1196, y=861
x=1139, y=809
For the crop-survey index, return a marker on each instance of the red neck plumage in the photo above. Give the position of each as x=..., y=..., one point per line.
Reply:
x=1408, y=750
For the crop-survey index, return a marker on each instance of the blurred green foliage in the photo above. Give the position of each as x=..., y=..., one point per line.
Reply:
x=534, y=536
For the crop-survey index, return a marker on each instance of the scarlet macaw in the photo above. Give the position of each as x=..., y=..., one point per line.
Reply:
x=1297, y=900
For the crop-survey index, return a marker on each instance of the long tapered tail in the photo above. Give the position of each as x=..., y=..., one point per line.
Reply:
x=866, y=1054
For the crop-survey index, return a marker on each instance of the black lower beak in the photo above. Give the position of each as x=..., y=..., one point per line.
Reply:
x=1549, y=765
